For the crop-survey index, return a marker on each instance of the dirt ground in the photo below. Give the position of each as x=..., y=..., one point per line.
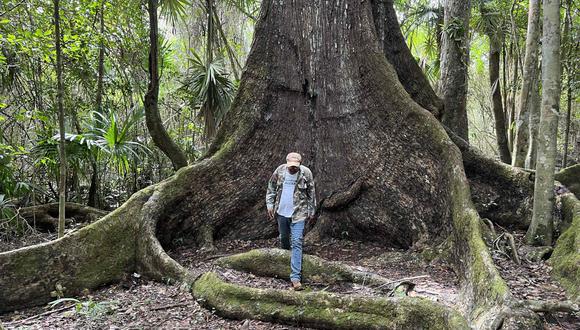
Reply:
x=136, y=303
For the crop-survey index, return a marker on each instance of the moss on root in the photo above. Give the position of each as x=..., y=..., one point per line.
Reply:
x=98, y=254
x=485, y=294
x=566, y=256
x=570, y=177
x=276, y=263
x=323, y=310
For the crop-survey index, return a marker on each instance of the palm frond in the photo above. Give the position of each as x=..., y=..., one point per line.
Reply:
x=210, y=89
x=174, y=9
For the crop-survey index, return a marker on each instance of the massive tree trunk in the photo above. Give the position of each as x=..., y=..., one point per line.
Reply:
x=454, y=66
x=529, y=82
x=385, y=170
x=154, y=124
x=498, y=114
x=540, y=231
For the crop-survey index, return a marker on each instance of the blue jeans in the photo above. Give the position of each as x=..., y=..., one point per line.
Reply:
x=292, y=236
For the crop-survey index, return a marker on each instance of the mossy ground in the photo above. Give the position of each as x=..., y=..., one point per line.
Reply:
x=566, y=256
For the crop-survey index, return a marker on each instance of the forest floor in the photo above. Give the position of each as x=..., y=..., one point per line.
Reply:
x=139, y=304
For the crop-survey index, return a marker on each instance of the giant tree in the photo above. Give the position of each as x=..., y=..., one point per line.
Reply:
x=541, y=228
x=386, y=170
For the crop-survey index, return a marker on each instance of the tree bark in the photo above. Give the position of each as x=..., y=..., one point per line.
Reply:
x=498, y=113
x=59, y=100
x=534, y=124
x=540, y=231
x=395, y=48
x=154, y=124
x=307, y=87
x=454, y=66
x=529, y=82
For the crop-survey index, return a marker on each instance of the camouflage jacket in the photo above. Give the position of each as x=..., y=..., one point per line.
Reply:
x=304, y=194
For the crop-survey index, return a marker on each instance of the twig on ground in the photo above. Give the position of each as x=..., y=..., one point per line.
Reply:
x=39, y=315
x=400, y=280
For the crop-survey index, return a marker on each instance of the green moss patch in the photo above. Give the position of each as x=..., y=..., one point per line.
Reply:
x=566, y=256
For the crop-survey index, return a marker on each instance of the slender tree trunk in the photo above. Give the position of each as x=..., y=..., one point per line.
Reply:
x=94, y=186
x=504, y=87
x=500, y=123
x=568, y=120
x=93, y=199
x=61, y=144
x=568, y=64
x=231, y=55
x=513, y=97
x=154, y=124
x=454, y=66
x=101, y=60
x=540, y=231
x=534, y=122
x=529, y=82
x=439, y=33
x=209, y=45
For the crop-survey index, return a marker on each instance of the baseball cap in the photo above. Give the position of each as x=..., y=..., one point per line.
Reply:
x=293, y=159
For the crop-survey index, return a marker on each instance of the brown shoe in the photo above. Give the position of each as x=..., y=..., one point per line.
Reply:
x=296, y=285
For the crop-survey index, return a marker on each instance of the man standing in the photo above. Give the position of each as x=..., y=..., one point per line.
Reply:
x=291, y=199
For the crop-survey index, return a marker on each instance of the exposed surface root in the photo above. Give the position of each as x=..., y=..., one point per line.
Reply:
x=500, y=192
x=276, y=263
x=45, y=217
x=570, y=177
x=323, y=310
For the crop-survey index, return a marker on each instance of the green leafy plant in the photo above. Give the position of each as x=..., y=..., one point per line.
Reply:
x=11, y=224
x=106, y=138
x=89, y=308
x=9, y=184
x=211, y=91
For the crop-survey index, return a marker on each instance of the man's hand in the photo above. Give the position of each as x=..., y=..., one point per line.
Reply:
x=311, y=220
x=271, y=214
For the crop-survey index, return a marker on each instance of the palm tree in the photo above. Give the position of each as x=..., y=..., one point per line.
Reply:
x=210, y=90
